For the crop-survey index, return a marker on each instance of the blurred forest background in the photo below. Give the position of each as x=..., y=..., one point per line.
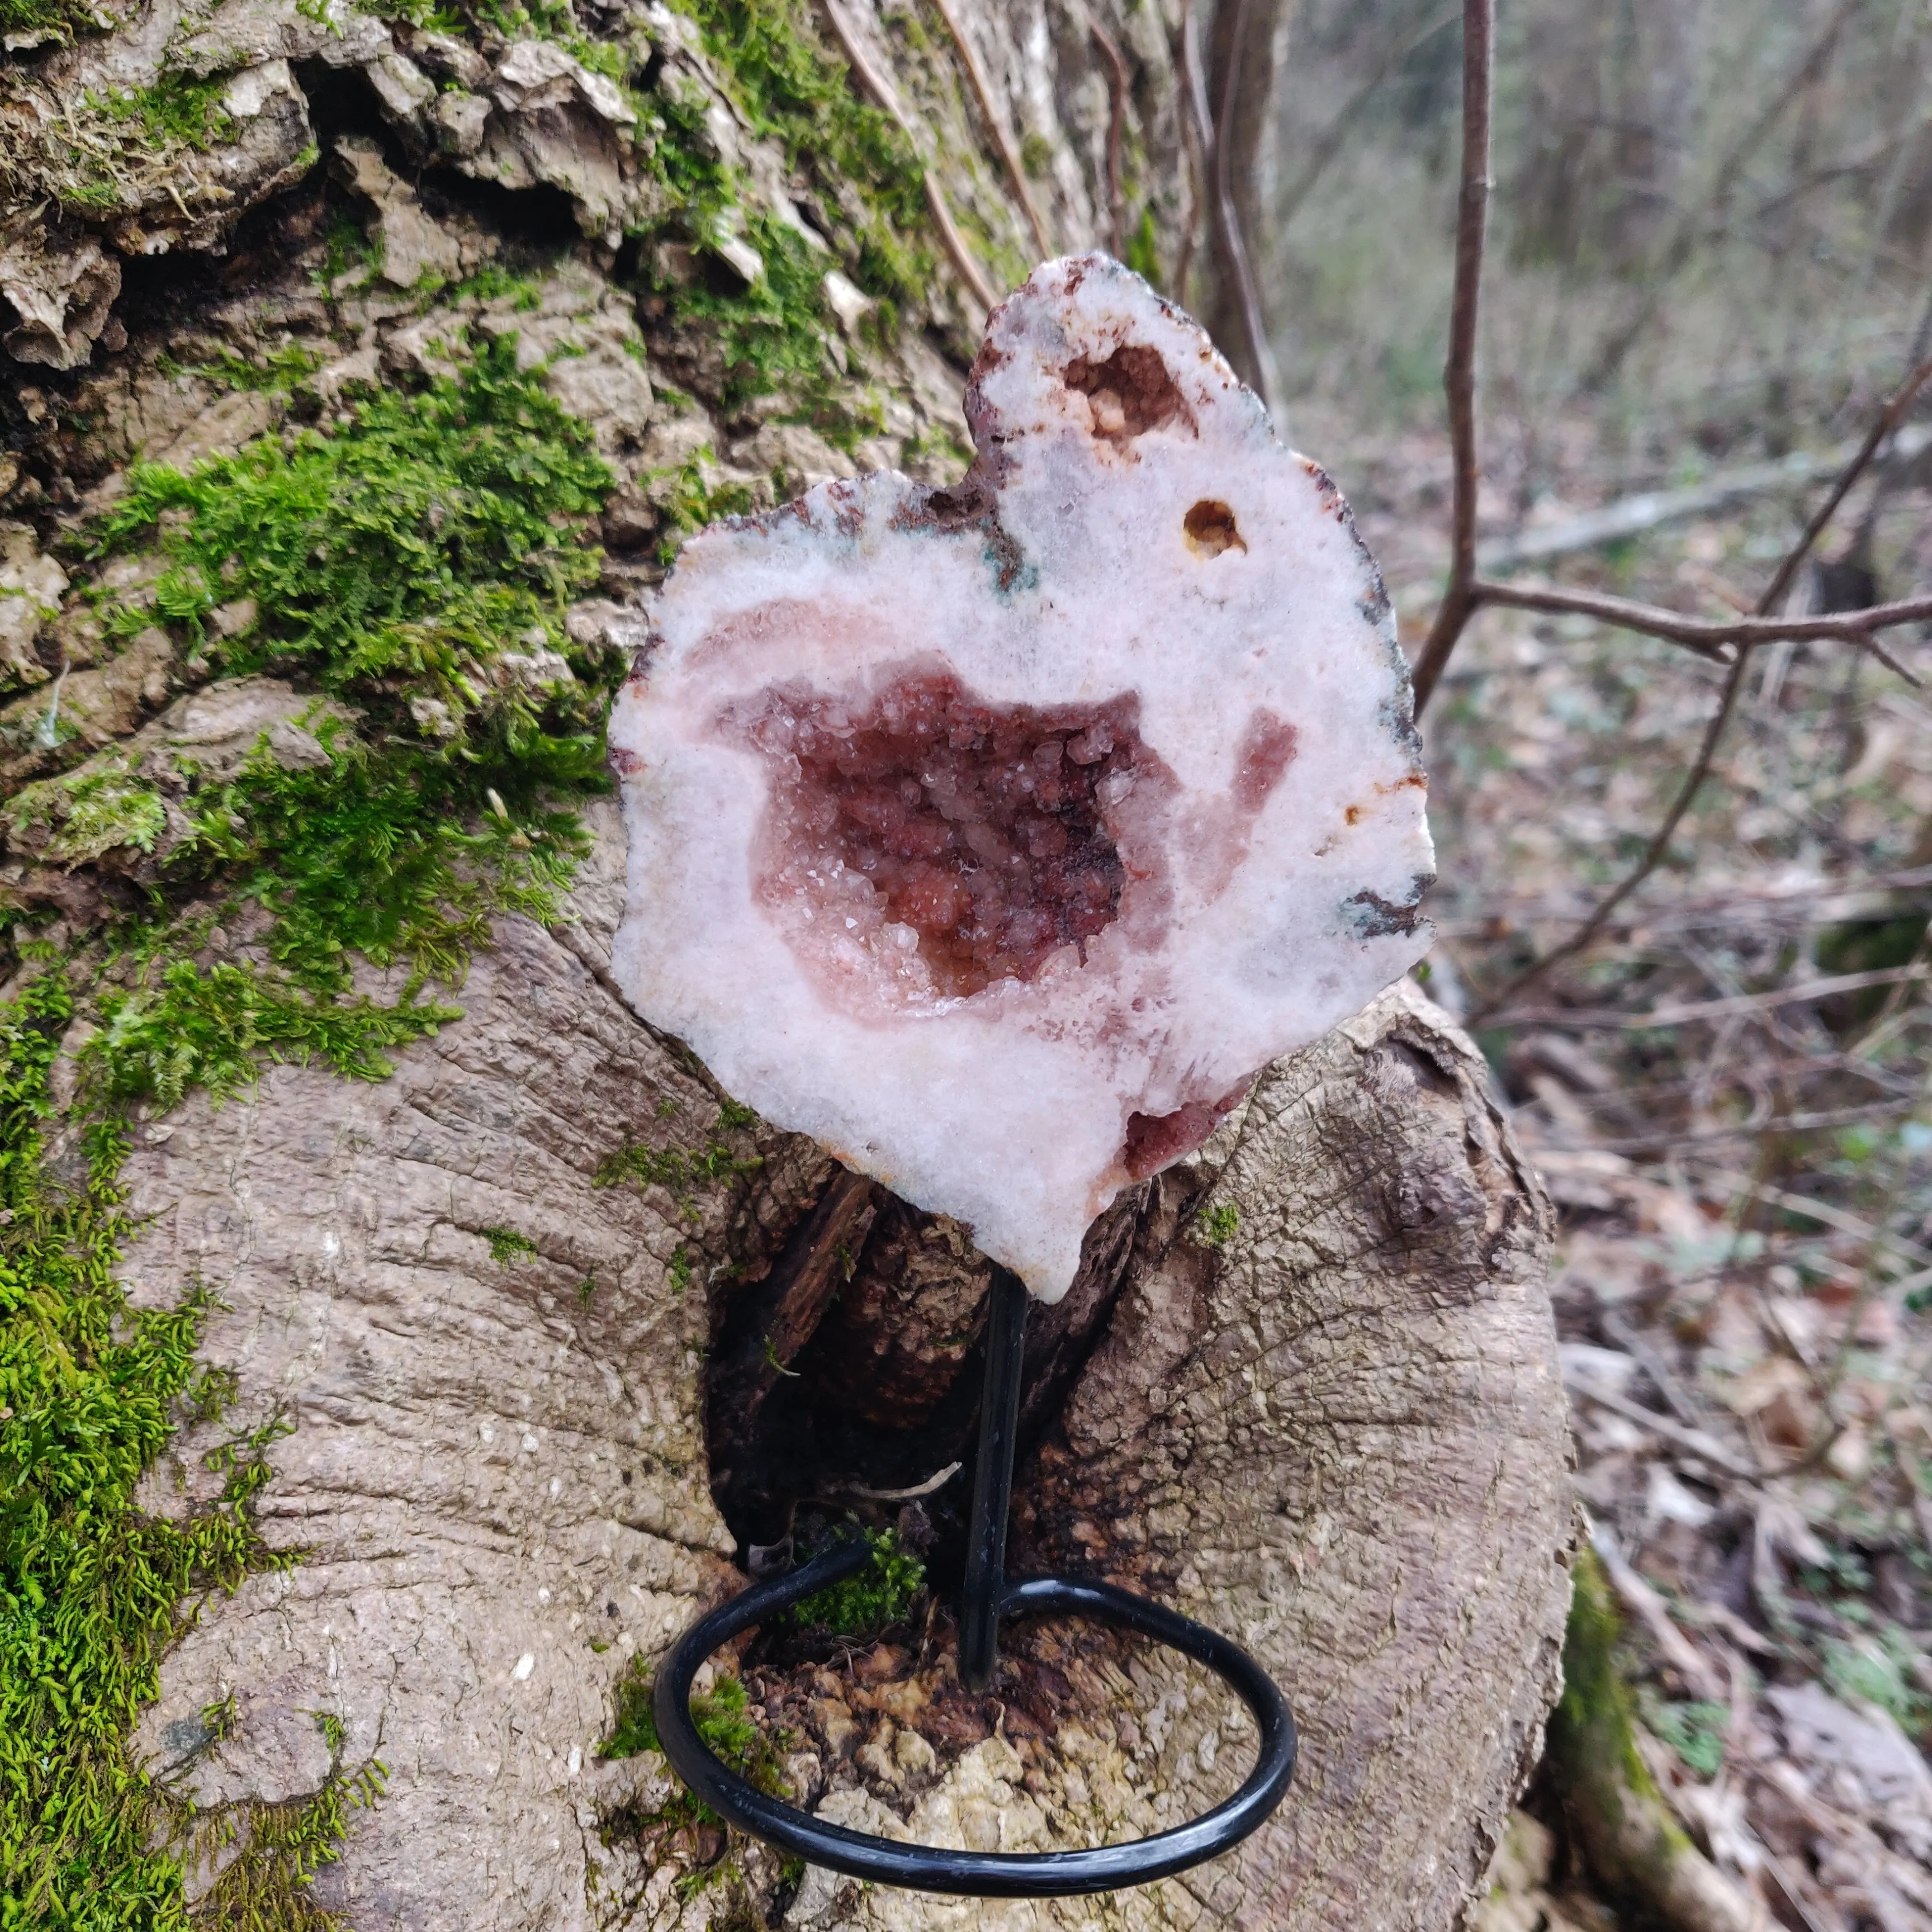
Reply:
x=1709, y=244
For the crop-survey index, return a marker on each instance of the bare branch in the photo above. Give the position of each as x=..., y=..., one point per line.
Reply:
x=1697, y=1442
x=1695, y=223
x=1854, y=627
x=983, y=93
x=1707, y=636
x=1809, y=903
x=1659, y=844
x=1643, y=1601
x=1759, y=1132
x=1646, y=510
x=1728, y=1008
x=1198, y=125
x=1889, y=419
x=1479, y=21
x=1329, y=142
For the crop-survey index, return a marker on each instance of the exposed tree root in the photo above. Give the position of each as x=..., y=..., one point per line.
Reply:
x=1616, y=1813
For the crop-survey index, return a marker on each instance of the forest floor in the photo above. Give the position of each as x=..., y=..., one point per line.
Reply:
x=1726, y=1091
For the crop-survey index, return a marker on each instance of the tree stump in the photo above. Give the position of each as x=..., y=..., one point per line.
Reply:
x=1338, y=1435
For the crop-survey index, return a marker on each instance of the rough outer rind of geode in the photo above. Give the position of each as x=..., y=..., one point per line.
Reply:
x=995, y=836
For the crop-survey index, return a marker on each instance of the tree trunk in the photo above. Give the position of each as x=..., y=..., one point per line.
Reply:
x=527, y=1341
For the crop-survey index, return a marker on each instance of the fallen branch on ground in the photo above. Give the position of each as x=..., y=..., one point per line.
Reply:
x=1711, y=1010
x=1697, y=1442
x=1648, y=510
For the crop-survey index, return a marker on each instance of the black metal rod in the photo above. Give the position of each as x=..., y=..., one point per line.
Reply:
x=985, y=1580
x=979, y=1874
x=986, y=1597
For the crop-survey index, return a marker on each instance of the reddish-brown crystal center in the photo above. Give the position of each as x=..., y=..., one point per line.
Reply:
x=980, y=828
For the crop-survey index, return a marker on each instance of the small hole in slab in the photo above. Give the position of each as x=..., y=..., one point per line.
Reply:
x=1209, y=528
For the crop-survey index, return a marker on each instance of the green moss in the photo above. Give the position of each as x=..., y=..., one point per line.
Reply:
x=1694, y=1731
x=507, y=1246
x=282, y=369
x=1144, y=249
x=878, y=1596
x=76, y=817
x=208, y=1027
x=937, y=442
x=92, y=1589
x=795, y=90
x=112, y=150
x=1880, y=1671
x=721, y=1716
x=30, y=22
x=398, y=557
x=682, y=1170
x=396, y=853
x=1613, y=1804
x=1215, y=1227
x=273, y=1851
x=414, y=564
x=178, y=111
x=778, y=337
x=865, y=193
x=1595, y=1720
x=688, y=503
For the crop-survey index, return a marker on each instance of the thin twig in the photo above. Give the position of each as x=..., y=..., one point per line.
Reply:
x=1658, y=1145
x=1828, y=902
x=1707, y=636
x=1693, y=226
x=882, y=91
x=1889, y=419
x=1479, y=21
x=1641, y=1600
x=1117, y=84
x=1330, y=141
x=937, y=1481
x=1647, y=510
x=1854, y=627
x=1823, y=1212
x=1864, y=536
x=1677, y=1399
x=983, y=93
x=1694, y=783
x=1697, y=1442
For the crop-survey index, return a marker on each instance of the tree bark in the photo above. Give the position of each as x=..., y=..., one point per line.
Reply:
x=1338, y=1437
x=1305, y=1387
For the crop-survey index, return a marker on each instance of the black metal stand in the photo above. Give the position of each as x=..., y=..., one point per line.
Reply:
x=986, y=1598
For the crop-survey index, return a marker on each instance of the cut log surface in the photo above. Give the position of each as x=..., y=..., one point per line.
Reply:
x=1338, y=1437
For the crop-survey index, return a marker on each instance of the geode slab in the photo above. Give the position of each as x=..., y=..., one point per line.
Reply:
x=996, y=836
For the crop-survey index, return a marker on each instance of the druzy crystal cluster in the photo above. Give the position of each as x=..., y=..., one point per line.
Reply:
x=996, y=836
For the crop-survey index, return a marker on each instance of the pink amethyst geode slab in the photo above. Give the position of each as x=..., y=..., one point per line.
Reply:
x=996, y=836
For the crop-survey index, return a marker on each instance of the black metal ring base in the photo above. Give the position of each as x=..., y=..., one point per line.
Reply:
x=979, y=1874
